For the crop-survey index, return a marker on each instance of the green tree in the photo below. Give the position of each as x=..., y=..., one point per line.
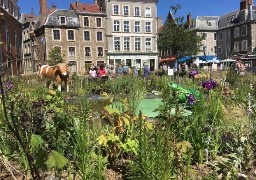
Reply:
x=55, y=56
x=176, y=38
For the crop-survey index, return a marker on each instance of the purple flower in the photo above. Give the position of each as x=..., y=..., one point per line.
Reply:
x=210, y=84
x=191, y=99
x=192, y=73
x=203, y=84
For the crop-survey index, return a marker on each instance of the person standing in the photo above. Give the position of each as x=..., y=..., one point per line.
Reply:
x=101, y=71
x=135, y=72
x=125, y=69
x=165, y=68
x=146, y=71
x=120, y=70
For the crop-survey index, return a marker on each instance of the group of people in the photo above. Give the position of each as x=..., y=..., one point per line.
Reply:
x=239, y=66
x=101, y=71
x=96, y=72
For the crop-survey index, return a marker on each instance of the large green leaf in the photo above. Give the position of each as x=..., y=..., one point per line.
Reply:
x=56, y=160
x=35, y=141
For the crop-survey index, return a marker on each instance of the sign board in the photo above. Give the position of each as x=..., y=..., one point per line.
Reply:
x=170, y=72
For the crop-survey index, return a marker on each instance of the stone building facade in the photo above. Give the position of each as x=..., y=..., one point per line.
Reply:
x=28, y=46
x=92, y=33
x=236, y=33
x=11, y=30
x=79, y=32
x=131, y=32
x=206, y=27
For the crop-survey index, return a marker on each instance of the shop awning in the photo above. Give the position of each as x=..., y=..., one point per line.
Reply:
x=208, y=58
x=185, y=58
x=171, y=58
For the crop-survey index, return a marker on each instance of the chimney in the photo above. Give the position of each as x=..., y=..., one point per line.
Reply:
x=43, y=7
x=32, y=11
x=54, y=7
x=189, y=19
x=77, y=4
x=244, y=4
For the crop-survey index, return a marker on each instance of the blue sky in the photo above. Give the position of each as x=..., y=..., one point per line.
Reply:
x=195, y=7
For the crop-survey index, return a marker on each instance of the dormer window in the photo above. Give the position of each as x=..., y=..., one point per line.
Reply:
x=62, y=20
x=209, y=23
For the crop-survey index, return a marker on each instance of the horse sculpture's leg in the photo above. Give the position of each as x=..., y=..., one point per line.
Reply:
x=59, y=87
x=66, y=85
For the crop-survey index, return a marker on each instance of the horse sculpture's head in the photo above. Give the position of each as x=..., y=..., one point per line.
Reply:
x=62, y=68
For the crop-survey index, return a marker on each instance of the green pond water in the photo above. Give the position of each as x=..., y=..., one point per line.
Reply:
x=148, y=106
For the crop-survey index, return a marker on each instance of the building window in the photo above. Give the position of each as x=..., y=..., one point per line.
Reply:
x=220, y=36
x=73, y=66
x=117, y=43
x=16, y=42
x=98, y=22
x=56, y=34
x=227, y=35
x=215, y=49
x=137, y=26
x=100, y=51
x=148, y=44
x=71, y=51
x=7, y=35
x=86, y=22
x=126, y=43
x=126, y=26
x=136, y=11
x=137, y=44
x=148, y=12
x=116, y=26
x=244, y=30
x=205, y=50
x=236, y=47
x=204, y=36
x=148, y=27
x=244, y=45
x=87, y=51
x=62, y=20
x=215, y=36
x=100, y=63
x=99, y=36
x=87, y=35
x=237, y=32
x=116, y=9
x=71, y=35
x=125, y=10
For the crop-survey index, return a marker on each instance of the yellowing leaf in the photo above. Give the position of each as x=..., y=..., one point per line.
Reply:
x=112, y=110
x=184, y=146
x=102, y=139
x=126, y=121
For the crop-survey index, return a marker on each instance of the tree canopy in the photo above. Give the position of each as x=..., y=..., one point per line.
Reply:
x=55, y=56
x=178, y=39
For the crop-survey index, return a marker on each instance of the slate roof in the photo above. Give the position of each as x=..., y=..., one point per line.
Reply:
x=71, y=18
x=206, y=23
x=88, y=8
x=228, y=19
x=233, y=18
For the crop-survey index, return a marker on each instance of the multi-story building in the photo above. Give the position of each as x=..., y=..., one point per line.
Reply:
x=131, y=32
x=28, y=45
x=205, y=27
x=92, y=44
x=236, y=33
x=10, y=37
x=79, y=32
